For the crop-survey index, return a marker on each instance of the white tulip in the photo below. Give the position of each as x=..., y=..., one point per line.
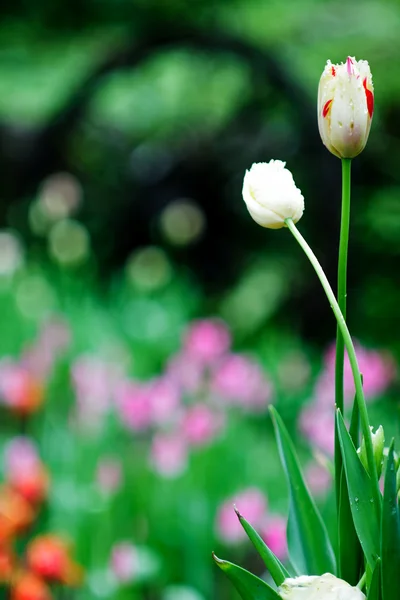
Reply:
x=345, y=107
x=271, y=195
x=324, y=587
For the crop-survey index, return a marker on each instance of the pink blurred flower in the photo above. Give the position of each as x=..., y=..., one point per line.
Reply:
x=56, y=334
x=24, y=471
x=38, y=360
x=318, y=478
x=273, y=532
x=94, y=382
x=133, y=405
x=377, y=368
x=251, y=503
x=169, y=454
x=20, y=456
x=317, y=424
x=164, y=399
x=124, y=561
x=185, y=372
x=109, y=474
x=20, y=390
x=201, y=424
x=239, y=379
x=53, y=339
x=207, y=340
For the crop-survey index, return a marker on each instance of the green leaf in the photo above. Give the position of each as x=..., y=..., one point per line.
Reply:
x=273, y=564
x=374, y=590
x=360, y=495
x=390, y=531
x=355, y=422
x=350, y=551
x=309, y=546
x=248, y=585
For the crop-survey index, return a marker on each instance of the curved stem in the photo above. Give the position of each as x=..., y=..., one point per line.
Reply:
x=352, y=357
x=342, y=279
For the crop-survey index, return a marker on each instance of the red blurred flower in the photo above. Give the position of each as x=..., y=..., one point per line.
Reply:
x=49, y=557
x=7, y=563
x=33, y=485
x=24, y=471
x=29, y=586
x=16, y=514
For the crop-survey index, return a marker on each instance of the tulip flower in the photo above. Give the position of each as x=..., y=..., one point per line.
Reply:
x=345, y=107
x=324, y=587
x=271, y=195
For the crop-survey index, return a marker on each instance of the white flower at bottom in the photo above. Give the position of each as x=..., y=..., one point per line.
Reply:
x=323, y=587
x=271, y=195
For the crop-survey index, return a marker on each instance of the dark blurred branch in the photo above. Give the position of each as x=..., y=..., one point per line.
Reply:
x=28, y=155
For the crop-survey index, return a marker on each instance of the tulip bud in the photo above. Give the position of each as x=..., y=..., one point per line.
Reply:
x=345, y=107
x=378, y=444
x=271, y=194
x=323, y=587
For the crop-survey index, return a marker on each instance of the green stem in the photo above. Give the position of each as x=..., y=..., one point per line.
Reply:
x=352, y=357
x=341, y=298
x=361, y=583
x=342, y=279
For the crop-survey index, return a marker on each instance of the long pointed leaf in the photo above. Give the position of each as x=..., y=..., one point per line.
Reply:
x=350, y=552
x=355, y=423
x=248, y=585
x=360, y=495
x=390, y=532
x=374, y=591
x=273, y=564
x=310, y=550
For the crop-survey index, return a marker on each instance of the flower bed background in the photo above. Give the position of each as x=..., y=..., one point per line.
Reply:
x=145, y=323
x=132, y=449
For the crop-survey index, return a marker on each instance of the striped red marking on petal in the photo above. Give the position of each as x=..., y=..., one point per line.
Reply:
x=350, y=67
x=326, y=108
x=333, y=71
x=370, y=98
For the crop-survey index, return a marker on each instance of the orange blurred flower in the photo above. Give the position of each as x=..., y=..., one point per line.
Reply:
x=49, y=557
x=33, y=485
x=7, y=563
x=29, y=586
x=16, y=514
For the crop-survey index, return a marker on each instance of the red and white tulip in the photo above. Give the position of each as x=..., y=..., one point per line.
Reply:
x=345, y=107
